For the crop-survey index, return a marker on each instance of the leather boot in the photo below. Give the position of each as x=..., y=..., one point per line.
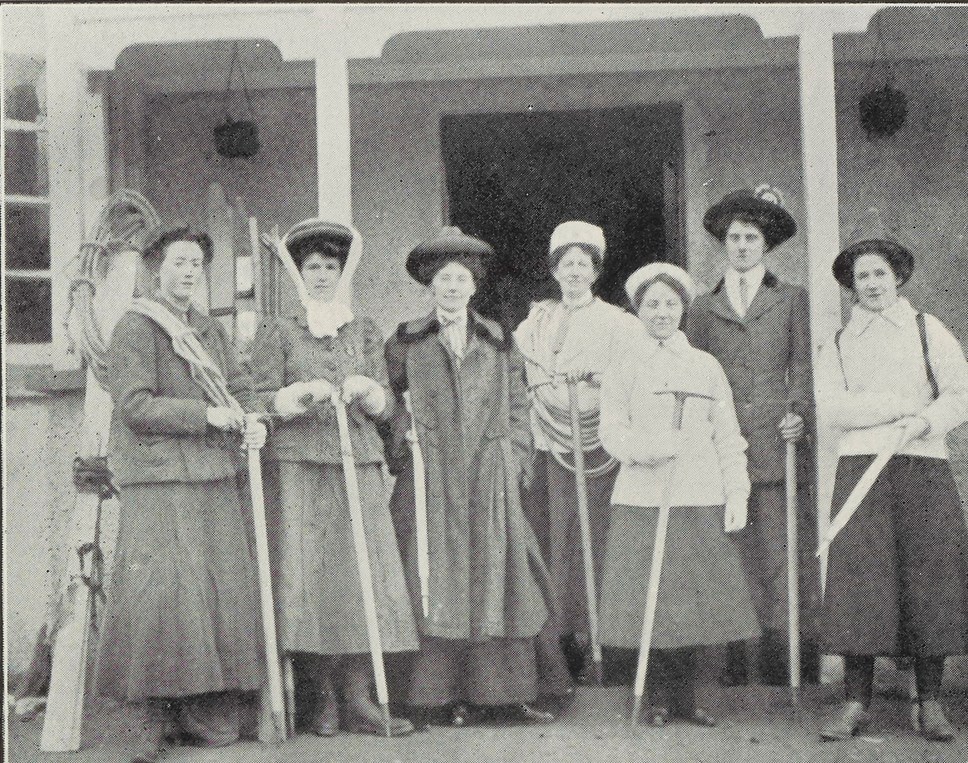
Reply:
x=934, y=724
x=846, y=721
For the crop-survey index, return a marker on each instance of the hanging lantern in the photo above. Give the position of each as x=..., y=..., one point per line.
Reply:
x=883, y=111
x=237, y=138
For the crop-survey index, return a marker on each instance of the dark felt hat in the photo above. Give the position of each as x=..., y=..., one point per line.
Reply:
x=450, y=245
x=873, y=237
x=309, y=236
x=764, y=206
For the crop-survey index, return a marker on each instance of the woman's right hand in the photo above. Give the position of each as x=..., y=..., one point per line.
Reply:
x=289, y=400
x=224, y=419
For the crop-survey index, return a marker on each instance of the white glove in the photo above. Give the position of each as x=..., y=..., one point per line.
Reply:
x=373, y=399
x=224, y=419
x=288, y=400
x=255, y=433
x=735, y=513
x=321, y=390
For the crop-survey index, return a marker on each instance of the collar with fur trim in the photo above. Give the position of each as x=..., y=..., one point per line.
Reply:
x=420, y=328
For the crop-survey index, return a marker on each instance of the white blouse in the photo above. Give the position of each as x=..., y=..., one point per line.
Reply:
x=883, y=378
x=637, y=427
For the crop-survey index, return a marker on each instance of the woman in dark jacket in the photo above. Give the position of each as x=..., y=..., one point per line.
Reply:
x=897, y=579
x=466, y=385
x=180, y=633
x=311, y=354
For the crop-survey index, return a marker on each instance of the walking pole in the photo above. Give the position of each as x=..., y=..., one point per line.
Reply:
x=658, y=554
x=273, y=672
x=586, y=532
x=362, y=558
x=793, y=570
x=420, y=509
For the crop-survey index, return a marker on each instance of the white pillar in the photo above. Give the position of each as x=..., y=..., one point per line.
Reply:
x=333, y=117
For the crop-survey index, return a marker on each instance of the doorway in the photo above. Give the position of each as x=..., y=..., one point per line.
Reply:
x=511, y=178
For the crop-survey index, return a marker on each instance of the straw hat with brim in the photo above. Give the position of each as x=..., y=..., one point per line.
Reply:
x=307, y=237
x=763, y=206
x=897, y=256
x=450, y=245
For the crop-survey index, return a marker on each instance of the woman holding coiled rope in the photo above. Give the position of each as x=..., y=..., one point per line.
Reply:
x=571, y=339
x=180, y=630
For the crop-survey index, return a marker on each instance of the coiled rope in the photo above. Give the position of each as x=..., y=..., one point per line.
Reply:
x=125, y=221
x=556, y=425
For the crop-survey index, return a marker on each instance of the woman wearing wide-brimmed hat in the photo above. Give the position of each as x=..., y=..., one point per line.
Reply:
x=758, y=328
x=897, y=576
x=180, y=634
x=465, y=382
x=299, y=361
x=703, y=599
x=574, y=337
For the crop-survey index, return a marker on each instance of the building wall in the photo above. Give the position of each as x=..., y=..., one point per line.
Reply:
x=741, y=128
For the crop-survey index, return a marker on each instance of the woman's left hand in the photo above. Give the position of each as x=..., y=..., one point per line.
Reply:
x=255, y=434
x=369, y=392
x=914, y=426
x=736, y=509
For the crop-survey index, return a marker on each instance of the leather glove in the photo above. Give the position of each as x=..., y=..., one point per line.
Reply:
x=736, y=507
x=288, y=401
x=373, y=399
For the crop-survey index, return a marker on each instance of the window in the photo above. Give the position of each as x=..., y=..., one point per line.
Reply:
x=26, y=212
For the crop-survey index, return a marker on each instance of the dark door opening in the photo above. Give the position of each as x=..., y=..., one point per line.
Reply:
x=511, y=178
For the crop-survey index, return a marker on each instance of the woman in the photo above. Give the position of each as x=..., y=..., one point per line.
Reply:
x=180, y=631
x=897, y=580
x=703, y=599
x=466, y=386
x=300, y=361
x=572, y=337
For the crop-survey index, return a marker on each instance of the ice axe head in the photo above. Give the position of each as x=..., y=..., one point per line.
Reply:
x=680, y=396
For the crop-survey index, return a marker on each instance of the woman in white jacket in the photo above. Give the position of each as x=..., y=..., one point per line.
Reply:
x=703, y=598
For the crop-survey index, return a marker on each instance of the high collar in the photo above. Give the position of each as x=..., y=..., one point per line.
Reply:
x=459, y=317
x=897, y=314
x=769, y=280
x=677, y=343
x=754, y=276
x=583, y=301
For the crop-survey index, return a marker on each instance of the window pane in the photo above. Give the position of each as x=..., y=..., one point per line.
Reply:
x=23, y=90
x=28, y=237
x=26, y=164
x=28, y=311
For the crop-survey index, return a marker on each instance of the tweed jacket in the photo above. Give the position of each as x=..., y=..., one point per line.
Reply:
x=285, y=352
x=767, y=359
x=159, y=430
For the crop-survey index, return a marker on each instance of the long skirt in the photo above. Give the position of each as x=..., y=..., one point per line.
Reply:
x=182, y=616
x=897, y=576
x=499, y=671
x=703, y=598
x=319, y=596
x=552, y=509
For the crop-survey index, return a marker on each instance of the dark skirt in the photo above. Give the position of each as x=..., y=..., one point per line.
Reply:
x=552, y=509
x=897, y=576
x=182, y=617
x=498, y=671
x=319, y=598
x=703, y=598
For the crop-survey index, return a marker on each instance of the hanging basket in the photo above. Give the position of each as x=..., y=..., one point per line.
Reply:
x=237, y=139
x=883, y=111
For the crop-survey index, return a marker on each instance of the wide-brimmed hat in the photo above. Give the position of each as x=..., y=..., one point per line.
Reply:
x=764, y=206
x=647, y=274
x=450, y=245
x=873, y=237
x=308, y=236
x=576, y=232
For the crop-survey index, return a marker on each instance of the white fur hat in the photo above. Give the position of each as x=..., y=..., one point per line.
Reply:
x=648, y=273
x=578, y=232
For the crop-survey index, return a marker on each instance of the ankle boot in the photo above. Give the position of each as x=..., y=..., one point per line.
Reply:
x=845, y=721
x=934, y=724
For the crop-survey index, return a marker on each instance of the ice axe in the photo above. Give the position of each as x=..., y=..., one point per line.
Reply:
x=658, y=553
x=793, y=570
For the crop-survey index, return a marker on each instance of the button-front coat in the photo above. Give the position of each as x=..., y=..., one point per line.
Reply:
x=766, y=356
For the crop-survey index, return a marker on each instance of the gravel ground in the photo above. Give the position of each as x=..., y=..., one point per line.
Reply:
x=757, y=726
